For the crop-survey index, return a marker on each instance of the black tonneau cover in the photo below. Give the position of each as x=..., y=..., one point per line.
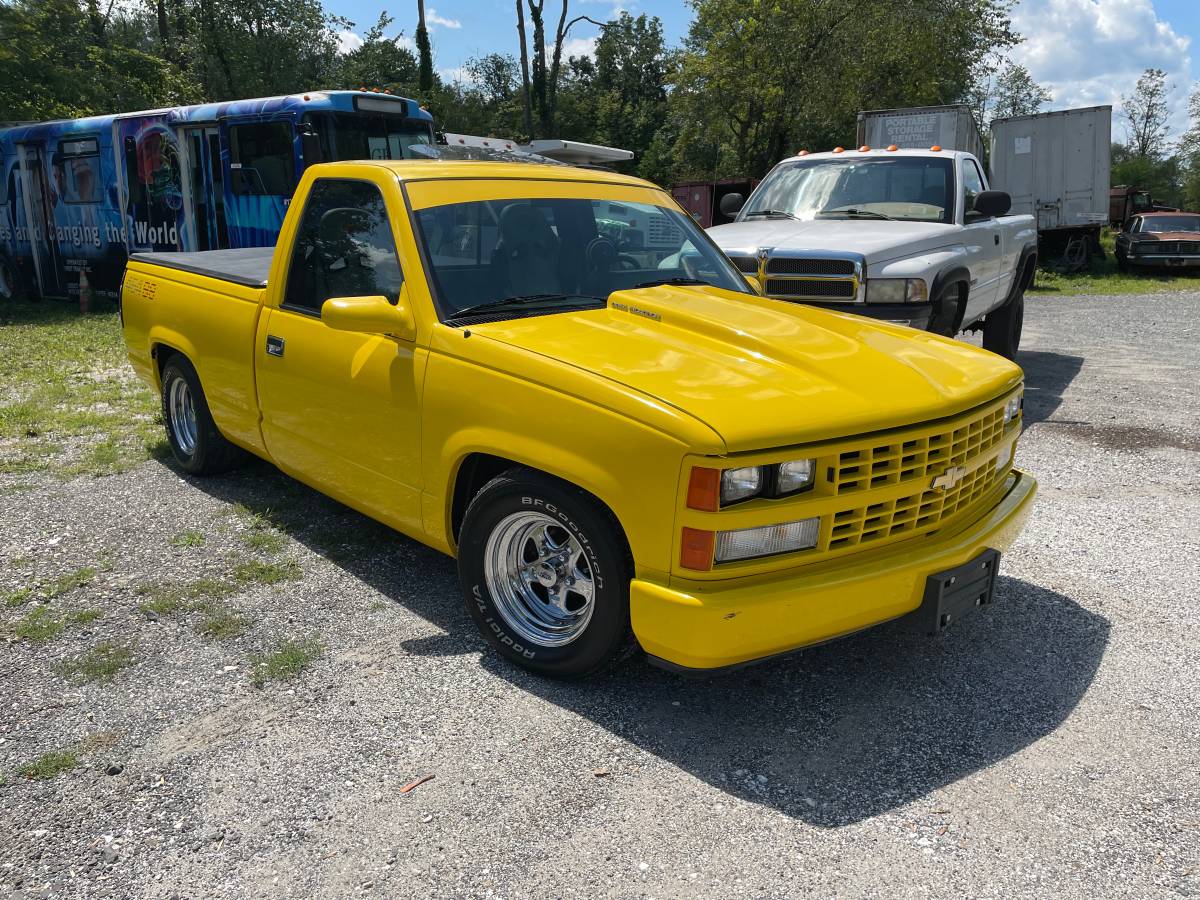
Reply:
x=248, y=266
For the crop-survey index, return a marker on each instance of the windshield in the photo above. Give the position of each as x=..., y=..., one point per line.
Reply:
x=912, y=188
x=369, y=135
x=1165, y=224
x=562, y=251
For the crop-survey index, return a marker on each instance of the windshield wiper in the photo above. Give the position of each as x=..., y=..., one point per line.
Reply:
x=770, y=213
x=856, y=213
x=526, y=300
x=661, y=281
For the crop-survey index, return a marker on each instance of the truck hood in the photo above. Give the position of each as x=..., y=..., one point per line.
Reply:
x=1168, y=236
x=764, y=373
x=878, y=240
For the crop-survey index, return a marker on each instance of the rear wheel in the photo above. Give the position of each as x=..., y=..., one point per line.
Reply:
x=196, y=443
x=544, y=574
x=1002, y=328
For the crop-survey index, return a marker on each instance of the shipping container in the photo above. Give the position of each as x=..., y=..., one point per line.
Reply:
x=702, y=199
x=921, y=127
x=1055, y=165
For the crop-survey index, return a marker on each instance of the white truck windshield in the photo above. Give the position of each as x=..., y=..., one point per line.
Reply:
x=909, y=188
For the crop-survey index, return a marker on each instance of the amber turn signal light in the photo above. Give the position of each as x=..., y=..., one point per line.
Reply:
x=696, y=551
x=704, y=489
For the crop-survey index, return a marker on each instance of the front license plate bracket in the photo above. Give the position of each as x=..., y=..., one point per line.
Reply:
x=952, y=594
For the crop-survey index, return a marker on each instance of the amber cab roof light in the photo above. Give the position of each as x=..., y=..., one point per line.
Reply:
x=839, y=149
x=892, y=148
x=863, y=149
x=936, y=148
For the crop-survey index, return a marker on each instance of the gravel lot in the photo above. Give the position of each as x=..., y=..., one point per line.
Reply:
x=1047, y=747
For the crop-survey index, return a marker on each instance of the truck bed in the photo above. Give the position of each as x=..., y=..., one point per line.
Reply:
x=247, y=266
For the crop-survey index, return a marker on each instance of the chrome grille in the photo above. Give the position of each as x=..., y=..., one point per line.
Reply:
x=810, y=287
x=747, y=264
x=784, y=265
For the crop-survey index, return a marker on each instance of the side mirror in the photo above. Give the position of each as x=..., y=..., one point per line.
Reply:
x=990, y=204
x=731, y=204
x=371, y=315
x=310, y=145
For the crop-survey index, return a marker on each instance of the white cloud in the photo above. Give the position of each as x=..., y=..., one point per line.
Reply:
x=1090, y=52
x=578, y=46
x=456, y=75
x=347, y=41
x=432, y=19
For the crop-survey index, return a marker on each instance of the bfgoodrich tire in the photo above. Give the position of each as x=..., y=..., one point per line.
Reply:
x=545, y=575
x=196, y=443
x=1002, y=328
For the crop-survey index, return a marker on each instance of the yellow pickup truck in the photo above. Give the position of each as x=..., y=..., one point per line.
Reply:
x=552, y=374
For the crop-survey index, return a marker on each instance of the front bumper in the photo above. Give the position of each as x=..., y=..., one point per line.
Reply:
x=1163, y=259
x=714, y=626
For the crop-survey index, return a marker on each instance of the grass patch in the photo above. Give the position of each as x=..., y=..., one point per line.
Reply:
x=17, y=597
x=50, y=764
x=164, y=599
x=69, y=582
x=221, y=622
x=66, y=382
x=100, y=663
x=288, y=660
x=1103, y=277
x=188, y=539
x=256, y=572
x=41, y=625
x=265, y=541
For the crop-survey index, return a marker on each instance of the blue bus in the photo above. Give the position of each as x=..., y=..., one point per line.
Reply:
x=78, y=196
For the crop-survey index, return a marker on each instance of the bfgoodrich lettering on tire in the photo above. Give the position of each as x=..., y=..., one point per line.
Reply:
x=545, y=575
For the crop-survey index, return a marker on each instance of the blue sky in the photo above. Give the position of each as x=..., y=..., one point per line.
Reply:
x=1086, y=52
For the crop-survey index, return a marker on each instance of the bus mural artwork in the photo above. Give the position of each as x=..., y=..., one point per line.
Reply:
x=78, y=196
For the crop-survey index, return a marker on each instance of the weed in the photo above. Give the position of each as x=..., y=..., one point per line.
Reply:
x=266, y=541
x=220, y=621
x=40, y=625
x=69, y=582
x=99, y=664
x=188, y=539
x=17, y=597
x=169, y=598
x=256, y=572
x=50, y=764
x=289, y=658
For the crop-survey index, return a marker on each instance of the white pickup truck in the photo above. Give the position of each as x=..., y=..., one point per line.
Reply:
x=911, y=236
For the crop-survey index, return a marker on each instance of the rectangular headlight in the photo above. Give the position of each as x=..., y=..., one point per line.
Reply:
x=741, y=484
x=1012, y=408
x=794, y=475
x=896, y=290
x=768, y=540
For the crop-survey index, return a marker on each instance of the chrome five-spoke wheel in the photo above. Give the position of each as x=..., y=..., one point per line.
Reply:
x=540, y=579
x=181, y=415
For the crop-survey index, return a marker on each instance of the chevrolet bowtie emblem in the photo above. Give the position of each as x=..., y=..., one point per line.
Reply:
x=948, y=479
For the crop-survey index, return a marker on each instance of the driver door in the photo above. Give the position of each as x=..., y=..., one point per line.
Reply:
x=981, y=238
x=340, y=409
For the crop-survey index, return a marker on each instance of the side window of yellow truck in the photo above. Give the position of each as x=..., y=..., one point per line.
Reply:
x=344, y=247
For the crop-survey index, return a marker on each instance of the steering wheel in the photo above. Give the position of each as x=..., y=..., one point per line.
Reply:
x=628, y=262
x=601, y=253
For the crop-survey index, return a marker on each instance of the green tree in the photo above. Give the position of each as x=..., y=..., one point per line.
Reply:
x=1145, y=112
x=59, y=59
x=425, y=76
x=380, y=60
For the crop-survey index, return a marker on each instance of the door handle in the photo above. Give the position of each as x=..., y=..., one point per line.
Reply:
x=996, y=239
x=274, y=345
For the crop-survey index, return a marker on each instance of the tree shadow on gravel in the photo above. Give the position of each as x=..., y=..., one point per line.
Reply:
x=1047, y=375
x=840, y=732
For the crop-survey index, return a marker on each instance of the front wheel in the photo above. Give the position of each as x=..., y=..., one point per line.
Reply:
x=545, y=575
x=1002, y=328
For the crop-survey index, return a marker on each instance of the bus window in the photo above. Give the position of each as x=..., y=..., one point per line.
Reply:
x=261, y=159
x=368, y=136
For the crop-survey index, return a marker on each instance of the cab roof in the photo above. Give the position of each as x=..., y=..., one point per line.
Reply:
x=877, y=152
x=432, y=169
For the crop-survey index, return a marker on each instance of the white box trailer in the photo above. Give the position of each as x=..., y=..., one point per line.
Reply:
x=1055, y=165
x=921, y=127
